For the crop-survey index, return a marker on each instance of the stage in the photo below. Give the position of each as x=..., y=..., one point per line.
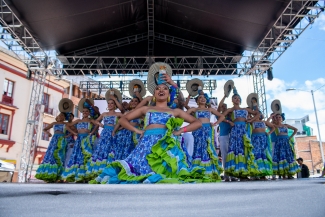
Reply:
x=304, y=197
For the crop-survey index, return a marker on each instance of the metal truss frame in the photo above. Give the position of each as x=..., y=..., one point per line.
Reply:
x=151, y=26
x=189, y=65
x=19, y=40
x=109, y=45
x=32, y=131
x=259, y=88
x=103, y=86
x=287, y=28
x=193, y=45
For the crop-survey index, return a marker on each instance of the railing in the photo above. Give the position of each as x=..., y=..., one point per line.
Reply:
x=7, y=99
x=48, y=111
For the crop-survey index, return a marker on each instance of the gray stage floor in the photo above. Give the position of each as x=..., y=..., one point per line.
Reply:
x=254, y=198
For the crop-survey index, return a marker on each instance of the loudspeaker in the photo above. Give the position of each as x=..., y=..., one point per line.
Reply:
x=269, y=74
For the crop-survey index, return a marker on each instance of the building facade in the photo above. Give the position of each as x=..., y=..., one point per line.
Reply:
x=14, y=104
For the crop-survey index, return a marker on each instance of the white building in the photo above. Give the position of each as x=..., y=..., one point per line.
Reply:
x=300, y=124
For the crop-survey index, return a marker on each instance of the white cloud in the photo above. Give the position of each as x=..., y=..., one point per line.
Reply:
x=320, y=21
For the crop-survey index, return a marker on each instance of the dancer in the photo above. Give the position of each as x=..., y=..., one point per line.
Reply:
x=104, y=152
x=83, y=147
x=225, y=127
x=284, y=161
x=205, y=154
x=240, y=161
x=69, y=138
x=262, y=146
x=52, y=165
x=126, y=139
x=158, y=157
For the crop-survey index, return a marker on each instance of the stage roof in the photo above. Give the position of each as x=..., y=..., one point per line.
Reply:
x=66, y=26
x=229, y=27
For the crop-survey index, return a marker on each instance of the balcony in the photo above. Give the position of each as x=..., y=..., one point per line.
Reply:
x=7, y=99
x=48, y=111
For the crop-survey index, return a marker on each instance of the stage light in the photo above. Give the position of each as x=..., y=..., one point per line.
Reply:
x=191, y=73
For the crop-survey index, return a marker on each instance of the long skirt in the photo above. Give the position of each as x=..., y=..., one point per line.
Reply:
x=240, y=160
x=52, y=165
x=158, y=158
x=70, y=143
x=103, y=154
x=82, y=150
x=204, y=153
x=262, y=153
x=124, y=144
x=284, y=162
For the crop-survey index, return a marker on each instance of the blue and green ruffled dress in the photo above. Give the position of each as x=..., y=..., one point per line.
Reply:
x=204, y=153
x=158, y=158
x=262, y=150
x=104, y=152
x=82, y=150
x=284, y=159
x=52, y=165
x=240, y=160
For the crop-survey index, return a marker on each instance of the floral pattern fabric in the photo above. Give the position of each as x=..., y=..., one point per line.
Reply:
x=284, y=162
x=52, y=165
x=204, y=153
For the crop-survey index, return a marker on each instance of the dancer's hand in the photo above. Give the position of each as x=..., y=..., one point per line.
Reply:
x=140, y=132
x=177, y=132
x=113, y=133
x=49, y=134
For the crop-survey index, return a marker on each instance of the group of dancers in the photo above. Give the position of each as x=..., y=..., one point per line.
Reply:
x=143, y=142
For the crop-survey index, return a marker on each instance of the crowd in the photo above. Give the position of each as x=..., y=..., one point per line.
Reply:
x=160, y=139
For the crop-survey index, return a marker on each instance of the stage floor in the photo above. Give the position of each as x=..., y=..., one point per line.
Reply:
x=304, y=197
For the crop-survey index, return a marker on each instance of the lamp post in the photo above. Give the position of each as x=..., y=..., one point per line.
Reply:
x=320, y=139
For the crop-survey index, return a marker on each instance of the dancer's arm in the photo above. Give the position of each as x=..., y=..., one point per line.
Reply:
x=144, y=102
x=292, y=128
x=220, y=116
x=194, y=123
x=125, y=120
x=46, y=129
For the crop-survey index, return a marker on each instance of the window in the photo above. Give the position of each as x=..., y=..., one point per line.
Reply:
x=45, y=136
x=46, y=100
x=8, y=88
x=4, y=123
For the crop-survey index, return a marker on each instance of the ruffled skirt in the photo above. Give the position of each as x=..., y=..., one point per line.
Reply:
x=103, y=154
x=240, y=161
x=158, y=158
x=204, y=153
x=262, y=153
x=284, y=162
x=124, y=144
x=52, y=165
x=82, y=150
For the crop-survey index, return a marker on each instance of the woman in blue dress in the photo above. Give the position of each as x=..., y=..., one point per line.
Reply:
x=52, y=165
x=205, y=154
x=262, y=146
x=82, y=150
x=240, y=161
x=69, y=138
x=158, y=157
x=126, y=139
x=104, y=152
x=284, y=161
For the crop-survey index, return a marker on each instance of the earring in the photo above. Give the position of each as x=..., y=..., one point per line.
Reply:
x=168, y=99
x=107, y=108
x=154, y=99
